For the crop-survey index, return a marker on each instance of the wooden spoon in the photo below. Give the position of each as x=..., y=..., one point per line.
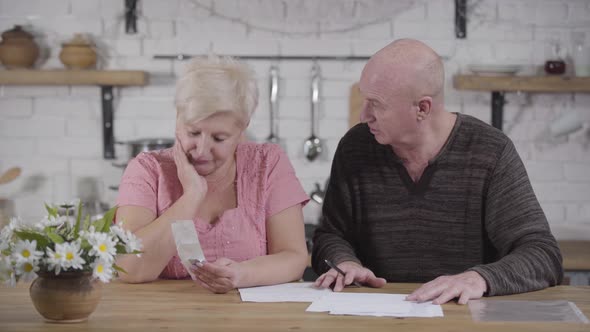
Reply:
x=10, y=175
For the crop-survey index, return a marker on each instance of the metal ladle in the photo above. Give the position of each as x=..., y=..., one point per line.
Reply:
x=274, y=96
x=312, y=147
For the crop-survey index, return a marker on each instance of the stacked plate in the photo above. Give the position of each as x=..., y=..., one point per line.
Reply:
x=494, y=70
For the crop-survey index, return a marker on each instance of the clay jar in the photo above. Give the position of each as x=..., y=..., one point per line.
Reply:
x=18, y=49
x=69, y=297
x=78, y=53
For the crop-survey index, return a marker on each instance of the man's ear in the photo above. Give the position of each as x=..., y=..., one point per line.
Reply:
x=425, y=105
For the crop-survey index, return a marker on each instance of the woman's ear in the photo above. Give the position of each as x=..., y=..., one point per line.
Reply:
x=243, y=136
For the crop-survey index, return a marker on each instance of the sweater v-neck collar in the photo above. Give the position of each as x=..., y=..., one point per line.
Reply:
x=422, y=185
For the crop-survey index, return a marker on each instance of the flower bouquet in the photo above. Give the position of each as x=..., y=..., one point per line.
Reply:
x=66, y=253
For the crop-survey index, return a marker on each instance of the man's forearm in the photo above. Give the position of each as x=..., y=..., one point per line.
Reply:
x=527, y=268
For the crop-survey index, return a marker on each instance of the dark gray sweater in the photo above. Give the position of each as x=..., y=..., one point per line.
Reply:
x=472, y=209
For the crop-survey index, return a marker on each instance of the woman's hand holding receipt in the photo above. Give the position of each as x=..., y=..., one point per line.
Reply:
x=348, y=273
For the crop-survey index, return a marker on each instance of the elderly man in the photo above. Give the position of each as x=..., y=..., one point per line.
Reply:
x=418, y=194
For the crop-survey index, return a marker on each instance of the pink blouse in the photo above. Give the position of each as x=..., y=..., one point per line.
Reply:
x=266, y=184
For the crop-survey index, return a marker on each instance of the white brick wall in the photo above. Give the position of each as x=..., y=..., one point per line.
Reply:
x=55, y=133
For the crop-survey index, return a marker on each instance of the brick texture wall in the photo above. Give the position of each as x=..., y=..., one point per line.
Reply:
x=54, y=133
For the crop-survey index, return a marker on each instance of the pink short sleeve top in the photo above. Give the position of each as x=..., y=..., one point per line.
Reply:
x=266, y=184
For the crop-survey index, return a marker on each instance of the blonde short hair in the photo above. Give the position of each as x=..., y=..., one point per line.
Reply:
x=215, y=84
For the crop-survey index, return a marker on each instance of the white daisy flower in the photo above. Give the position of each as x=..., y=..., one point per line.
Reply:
x=116, y=230
x=131, y=242
x=103, y=246
x=3, y=246
x=8, y=230
x=84, y=234
x=55, y=260
x=27, y=270
x=10, y=281
x=70, y=221
x=72, y=255
x=48, y=221
x=6, y=270
x=26, y=251
x=102, y=270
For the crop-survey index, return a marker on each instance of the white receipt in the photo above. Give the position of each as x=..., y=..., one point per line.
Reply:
x=187, y=243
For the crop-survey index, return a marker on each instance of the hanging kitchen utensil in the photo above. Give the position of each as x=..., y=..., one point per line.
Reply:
x=312, y=147
x=10, y=175
x=318, y=194
x=274, y=96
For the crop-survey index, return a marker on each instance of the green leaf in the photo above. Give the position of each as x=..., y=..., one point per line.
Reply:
x=86, y=223
x=118, y=268
x=98, y=224
x=42, y=241
x=56, y=238
x=85, y=245
x=108, y=219
x=121, y=249
x=49, y=229
x=52, y=211
x=78, y=219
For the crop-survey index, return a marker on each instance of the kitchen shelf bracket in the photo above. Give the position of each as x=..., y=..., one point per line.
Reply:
x=461, y=19
x=498, y=102
x=131, y=16
x=108, y=138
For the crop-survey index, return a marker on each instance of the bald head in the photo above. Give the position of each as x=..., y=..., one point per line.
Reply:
x=408, y=66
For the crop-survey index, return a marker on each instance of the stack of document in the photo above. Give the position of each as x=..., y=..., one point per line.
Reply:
x=324, y=300
x=291, y=292
x=374, y=304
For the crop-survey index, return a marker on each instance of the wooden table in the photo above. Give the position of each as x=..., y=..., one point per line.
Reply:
x=183, y=306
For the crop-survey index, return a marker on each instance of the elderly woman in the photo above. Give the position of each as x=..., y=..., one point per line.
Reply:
x=244, y=198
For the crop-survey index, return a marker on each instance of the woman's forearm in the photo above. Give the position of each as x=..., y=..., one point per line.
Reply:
x=285, y=266
x=158, y=243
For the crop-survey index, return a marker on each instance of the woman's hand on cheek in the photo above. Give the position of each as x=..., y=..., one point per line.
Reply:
x=192, y=183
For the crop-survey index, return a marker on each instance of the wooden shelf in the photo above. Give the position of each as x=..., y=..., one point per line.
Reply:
x=557, y=84
x=106, y=79
x=498, y=85
x=73, y=77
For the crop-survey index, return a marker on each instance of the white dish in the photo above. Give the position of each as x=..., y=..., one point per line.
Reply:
x=494, y=70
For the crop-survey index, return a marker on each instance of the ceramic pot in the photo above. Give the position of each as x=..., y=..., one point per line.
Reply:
x=78, y=53
x=145, y=144
x=18, y=49
x=69, y=297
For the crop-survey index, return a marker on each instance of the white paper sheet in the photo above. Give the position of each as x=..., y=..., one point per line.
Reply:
x=374, y=304
x=290, y=292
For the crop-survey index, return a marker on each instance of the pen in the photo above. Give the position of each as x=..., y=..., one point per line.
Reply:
x=356, y=283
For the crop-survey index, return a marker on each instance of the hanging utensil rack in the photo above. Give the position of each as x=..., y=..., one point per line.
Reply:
x=182, y=57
